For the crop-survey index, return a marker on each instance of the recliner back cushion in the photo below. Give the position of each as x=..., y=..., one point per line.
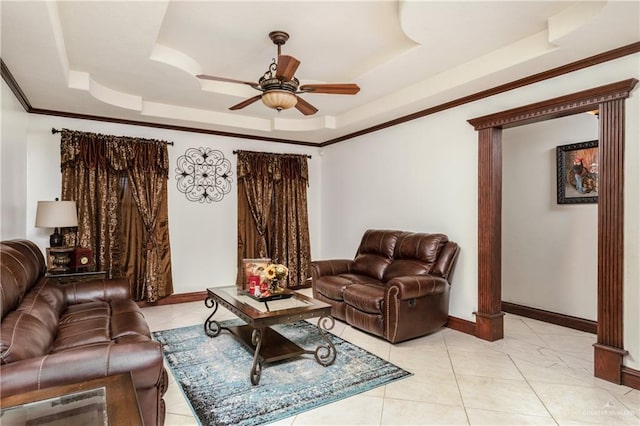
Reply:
x=45, y=302
x=415, y=254
x=21, y=265
x=375, y=253
x=23, y=336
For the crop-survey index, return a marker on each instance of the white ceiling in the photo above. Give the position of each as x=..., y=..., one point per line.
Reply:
x=137, y=60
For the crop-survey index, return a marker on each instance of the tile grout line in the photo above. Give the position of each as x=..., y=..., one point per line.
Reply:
x=455, y=376
x=532, y=389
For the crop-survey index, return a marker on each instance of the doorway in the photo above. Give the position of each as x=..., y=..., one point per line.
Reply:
x=549, y=248
x=609, y=100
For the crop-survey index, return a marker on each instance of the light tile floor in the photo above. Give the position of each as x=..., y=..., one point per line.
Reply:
x=539, y=374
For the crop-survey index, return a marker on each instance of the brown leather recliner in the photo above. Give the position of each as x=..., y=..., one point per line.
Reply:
x=397, y=287
x=53, y=334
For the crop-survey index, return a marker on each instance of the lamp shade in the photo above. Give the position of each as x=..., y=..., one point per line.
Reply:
x=56, y=214
x=279, y=99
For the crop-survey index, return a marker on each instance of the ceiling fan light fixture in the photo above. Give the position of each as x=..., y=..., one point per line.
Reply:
x=279, y=99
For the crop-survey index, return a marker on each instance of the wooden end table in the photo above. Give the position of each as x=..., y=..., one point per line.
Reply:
x=108, y=400
x=76, y=276
x=267, y=344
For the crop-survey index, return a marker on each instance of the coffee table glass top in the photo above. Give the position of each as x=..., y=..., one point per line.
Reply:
x=297, y=303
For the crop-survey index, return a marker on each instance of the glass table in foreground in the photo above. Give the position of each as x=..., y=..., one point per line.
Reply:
x=109, y=400
x=259, y=315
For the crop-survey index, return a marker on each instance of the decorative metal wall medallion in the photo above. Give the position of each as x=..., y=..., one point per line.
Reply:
x=203, y=174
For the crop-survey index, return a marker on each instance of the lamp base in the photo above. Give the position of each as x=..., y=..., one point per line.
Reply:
x=55, y=240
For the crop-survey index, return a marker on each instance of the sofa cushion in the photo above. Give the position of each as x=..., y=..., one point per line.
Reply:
x=82, y=332
x=93, y=323
x=127, y=320
x=415, y=254
x=46, y=302
x=13, y=276
x=23, y=336
x=12, y=289
x=375, y=253
x=84, y=312
x=365, y=298
x=332, y=286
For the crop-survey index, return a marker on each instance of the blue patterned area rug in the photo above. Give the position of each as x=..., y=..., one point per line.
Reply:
x=214, y=375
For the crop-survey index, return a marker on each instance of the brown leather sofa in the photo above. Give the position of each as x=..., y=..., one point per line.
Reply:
x=397, y=287
x=54, y=334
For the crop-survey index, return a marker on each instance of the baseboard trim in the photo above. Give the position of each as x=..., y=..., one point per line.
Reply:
x=631, y=377
x=462, y=325
x=551, y=317
x=196, y=296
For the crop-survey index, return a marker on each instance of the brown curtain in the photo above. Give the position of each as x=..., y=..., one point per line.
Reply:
x=120, y=186
x=290, y=243
x=272, y=211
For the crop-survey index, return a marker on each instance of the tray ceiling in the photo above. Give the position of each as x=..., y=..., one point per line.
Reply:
x=137, y=60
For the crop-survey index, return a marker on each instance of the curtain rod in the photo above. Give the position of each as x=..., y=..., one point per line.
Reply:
x=308, y=156
x=54, y=131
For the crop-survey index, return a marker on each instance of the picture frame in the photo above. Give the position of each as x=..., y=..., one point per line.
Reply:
x=574, y=187
x=252, y=267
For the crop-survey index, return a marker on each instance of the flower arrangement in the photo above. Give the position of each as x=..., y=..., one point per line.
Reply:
x=273, y=274
x=275, y=271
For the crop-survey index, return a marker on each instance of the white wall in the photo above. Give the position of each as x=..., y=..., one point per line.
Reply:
x=631, y=291
x=419, y=176
x=422, y=176
x=203, y=236
x=13, y=166
x=549, y=250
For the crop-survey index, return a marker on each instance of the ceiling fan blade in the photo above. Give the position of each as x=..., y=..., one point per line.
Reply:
x=336, y=89
x=305, y=107
x=227, y=80
x=287, y=66
x=245, y=103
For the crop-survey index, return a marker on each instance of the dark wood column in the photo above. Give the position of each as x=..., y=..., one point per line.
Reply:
x=489, y=317
x=609, y=350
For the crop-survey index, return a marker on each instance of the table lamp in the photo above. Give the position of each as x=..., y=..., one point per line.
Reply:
x=56, y=214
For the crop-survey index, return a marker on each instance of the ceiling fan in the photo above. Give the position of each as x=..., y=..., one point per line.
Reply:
x=279, y=87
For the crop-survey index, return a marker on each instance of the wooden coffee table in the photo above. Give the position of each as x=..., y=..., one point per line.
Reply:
x=267, y=344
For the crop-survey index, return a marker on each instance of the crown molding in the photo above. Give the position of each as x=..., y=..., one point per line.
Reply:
x=535, y=78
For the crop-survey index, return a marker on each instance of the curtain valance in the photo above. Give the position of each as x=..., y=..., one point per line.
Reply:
x=118, y=153
x=279, y=166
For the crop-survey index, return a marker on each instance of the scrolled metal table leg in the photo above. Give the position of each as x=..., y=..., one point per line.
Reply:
x=211, y=327
x=325, y=354
x=256, y=367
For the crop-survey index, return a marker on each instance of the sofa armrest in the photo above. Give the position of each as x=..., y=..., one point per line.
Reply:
x=99, y=289
x=142, y=357
x=320, y=268
x=416, y=286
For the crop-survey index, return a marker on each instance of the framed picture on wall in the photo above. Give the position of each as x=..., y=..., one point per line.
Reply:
x=577, y=174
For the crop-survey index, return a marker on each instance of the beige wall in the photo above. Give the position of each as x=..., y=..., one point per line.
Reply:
x=13, y=166
x=549, y=250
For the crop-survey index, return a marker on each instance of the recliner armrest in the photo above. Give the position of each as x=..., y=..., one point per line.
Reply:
x=99, y=289
x=415, y=286
x=320, y=268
